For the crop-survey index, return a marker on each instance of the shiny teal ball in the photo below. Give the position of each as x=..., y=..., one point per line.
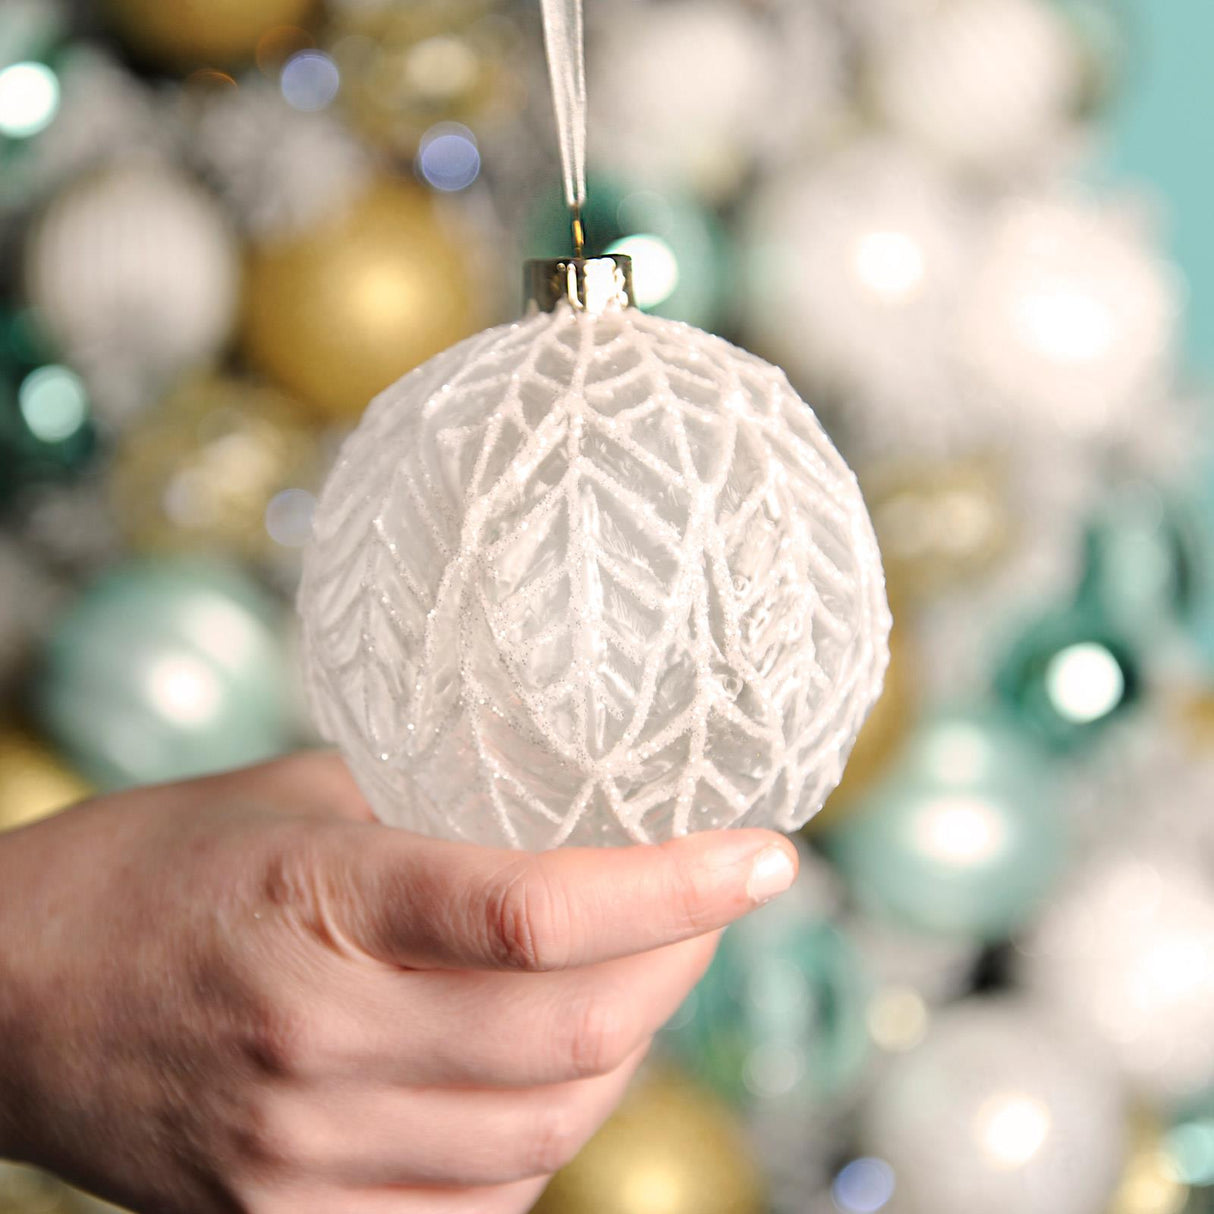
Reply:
x=680, y=260
x=780, y=1015
x=165, y=670
x=962, y=838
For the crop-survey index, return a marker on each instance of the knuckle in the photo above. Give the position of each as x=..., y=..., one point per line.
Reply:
x=599, y=1037
x=691, y=895
x=527, y=919
x=283, y=1041
x=556, y=1137
x=265, y=1141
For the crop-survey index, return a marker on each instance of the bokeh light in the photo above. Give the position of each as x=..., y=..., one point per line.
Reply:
x=655, y=269
x=1011, y=1128
x=889, y=264
x=54, y=403
x=29, y=99
x=1085, y=682
x=310, y=81
x=863, y=1186
x=448, y=158
x=289, y=517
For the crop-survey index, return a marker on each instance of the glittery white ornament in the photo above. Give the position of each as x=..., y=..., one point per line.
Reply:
x=988, y=84
x=1071, y=319
x=999, y=1111
x=592, y=579
x=1127, y=954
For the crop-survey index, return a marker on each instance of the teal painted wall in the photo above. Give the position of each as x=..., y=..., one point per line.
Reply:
x=1163, y=132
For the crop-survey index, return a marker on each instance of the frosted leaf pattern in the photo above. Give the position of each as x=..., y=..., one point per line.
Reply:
x=592, y=580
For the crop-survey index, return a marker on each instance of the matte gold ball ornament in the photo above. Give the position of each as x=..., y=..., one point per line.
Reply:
x=204, y=469
x=33, y=784
x=337, y=313
x=194, y=33
x=671, y=1148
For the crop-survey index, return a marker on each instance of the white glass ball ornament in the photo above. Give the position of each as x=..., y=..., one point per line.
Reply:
x=691, y=93
x=998, y=1110
x=990, y=85
x=1070, y=320
x=135, y=275
x=853, y=269
x=594, y=577
x=1126, y=954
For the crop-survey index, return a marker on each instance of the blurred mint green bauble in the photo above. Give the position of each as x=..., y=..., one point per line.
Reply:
x=1069, y=675
x=680, y=266
x=962, y=838
x=780, y=1015
x=165, y=670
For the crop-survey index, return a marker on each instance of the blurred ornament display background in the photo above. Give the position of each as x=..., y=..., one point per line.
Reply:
x=993, y=988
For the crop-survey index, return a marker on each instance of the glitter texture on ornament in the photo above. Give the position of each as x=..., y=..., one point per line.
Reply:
x=592, y=580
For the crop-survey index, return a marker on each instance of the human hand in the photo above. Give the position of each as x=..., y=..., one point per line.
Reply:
x=242, y=994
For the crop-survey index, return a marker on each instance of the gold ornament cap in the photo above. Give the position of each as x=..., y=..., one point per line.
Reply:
x=587, y=284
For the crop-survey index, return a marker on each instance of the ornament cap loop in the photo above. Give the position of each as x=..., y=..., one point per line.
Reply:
x=587, y=284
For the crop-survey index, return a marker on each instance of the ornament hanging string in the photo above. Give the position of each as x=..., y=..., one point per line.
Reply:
x=564, y=44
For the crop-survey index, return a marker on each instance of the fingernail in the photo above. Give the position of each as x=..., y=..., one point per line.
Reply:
x=771, y=874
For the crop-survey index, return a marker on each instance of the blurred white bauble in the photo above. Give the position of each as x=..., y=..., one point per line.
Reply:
x=1127, y=954
x=987, y=84
x=592, y=580
x=853, y=269
x=691, y=92
x=282, y=169
x=999, y=1112
x=1070, y=319
x=135, y=275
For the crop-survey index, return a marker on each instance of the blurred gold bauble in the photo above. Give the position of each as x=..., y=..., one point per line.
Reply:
x=1149, y=1184
x=408, y=64
x=671, y=1148
x=939, y=522
x=33, y=784
x=200, y=471
x=196, y=33
x=338, y=313
x=883, y=732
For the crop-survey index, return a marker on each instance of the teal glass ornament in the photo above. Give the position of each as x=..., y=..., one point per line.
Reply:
x=1141, y=556
x=1069, y=676
x=962, y=838
x=779, y=1018
x=165, y=670
x=680, y=260
x=46, y=423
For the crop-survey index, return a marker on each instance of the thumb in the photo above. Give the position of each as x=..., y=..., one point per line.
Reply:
x=414, y=901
